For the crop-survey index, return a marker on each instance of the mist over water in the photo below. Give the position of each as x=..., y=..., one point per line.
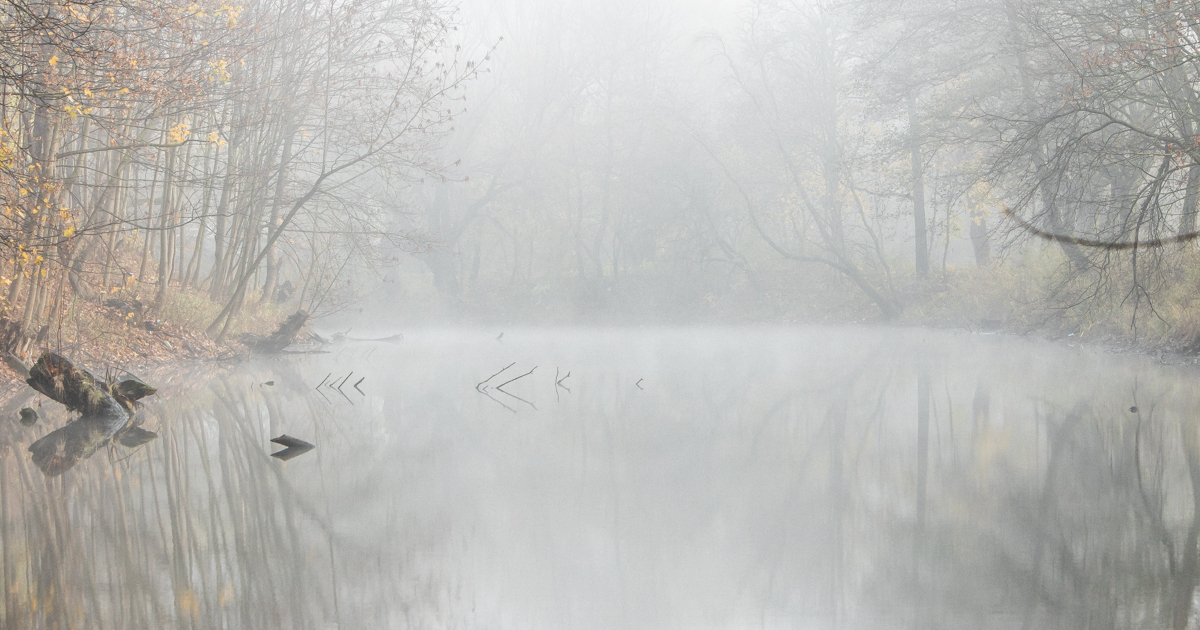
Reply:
x=679, y=478
x=609, y=231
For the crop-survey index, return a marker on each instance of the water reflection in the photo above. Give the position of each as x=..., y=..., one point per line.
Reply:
x=702, y=478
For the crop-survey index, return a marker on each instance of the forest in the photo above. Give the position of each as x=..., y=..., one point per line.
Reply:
x=1021, y=165
x=215, y=164
x=682, y=213
x=211, y=150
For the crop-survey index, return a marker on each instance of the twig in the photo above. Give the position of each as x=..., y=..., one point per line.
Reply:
x=514, y=379
x=497, y=401
x=517, y=397
x=494, y=375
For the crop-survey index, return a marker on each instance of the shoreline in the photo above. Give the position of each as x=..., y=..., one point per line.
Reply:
x=104, y=341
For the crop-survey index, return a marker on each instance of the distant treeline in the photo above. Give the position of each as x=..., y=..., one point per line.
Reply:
x=872, y=144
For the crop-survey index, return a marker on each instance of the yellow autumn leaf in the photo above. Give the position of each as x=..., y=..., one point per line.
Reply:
x=179, y=133
x=54, y=61
x=69, y=232
x=218, y=71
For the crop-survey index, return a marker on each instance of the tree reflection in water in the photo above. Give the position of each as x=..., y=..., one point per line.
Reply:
x=850, y=480
x=199, y=529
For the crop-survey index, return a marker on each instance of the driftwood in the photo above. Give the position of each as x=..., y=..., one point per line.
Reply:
x=294, y=447
x=344, y=337
x=279, y=339
x=107, y=409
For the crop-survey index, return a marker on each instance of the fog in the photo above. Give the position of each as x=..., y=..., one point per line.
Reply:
x=726, y=161
x=775, y=161
x=599, y=313
x=701, y=478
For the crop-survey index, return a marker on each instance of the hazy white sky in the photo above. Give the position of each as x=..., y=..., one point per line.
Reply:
x=688, y=17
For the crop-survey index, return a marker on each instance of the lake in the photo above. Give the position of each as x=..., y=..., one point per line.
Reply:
x=627, y=478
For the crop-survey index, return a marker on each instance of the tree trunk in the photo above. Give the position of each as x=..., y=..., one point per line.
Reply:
x=165, y=232
x=1187, y=223
x=141, y=277
x=220, y=252
x=918, y=190
x=280, y=178
x=980, y=241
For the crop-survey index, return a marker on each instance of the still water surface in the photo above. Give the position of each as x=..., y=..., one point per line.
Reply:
x=678, y=478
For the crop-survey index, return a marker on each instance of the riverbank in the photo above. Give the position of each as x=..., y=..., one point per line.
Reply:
x=1031, y=298
x=1033, y=293
x=124, y=335
x=1113, y=310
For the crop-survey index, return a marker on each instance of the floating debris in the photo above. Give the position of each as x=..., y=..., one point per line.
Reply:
x=29, y=417
x=484, y=381
x=295, y=447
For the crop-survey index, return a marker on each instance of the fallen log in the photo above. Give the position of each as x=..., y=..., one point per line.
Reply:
x=76, y=388
x=278, y=340
x=106, y=410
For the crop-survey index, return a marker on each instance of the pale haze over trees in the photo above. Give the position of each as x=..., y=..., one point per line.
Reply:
x=994, y=164
x=659, y=160
x=593, y=161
